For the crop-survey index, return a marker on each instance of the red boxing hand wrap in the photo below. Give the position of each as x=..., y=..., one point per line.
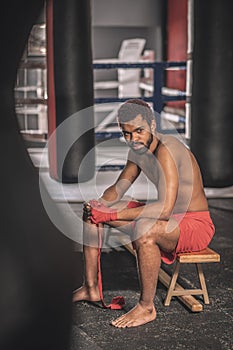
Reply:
x=101, y=213
x=134, y=204
x=117, y=302
x=94, y=203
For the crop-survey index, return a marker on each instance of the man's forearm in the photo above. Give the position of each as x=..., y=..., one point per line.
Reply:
x=151, y=211
x=110, y=196
x=102, y=213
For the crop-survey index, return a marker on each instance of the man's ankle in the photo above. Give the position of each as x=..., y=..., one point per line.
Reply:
x=91, y=286
x=149, y=305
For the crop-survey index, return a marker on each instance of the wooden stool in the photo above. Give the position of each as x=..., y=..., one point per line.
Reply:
x=185, y=296
x=204, y=256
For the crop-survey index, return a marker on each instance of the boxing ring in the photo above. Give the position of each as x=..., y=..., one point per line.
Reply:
x=160, y=94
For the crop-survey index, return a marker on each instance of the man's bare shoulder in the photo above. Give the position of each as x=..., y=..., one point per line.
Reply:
x=132, y=157
x=169, y=140
x=171, y=144
x=173, y=150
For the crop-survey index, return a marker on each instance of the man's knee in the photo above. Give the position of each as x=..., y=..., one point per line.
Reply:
x=148, y=231
x=142, y=233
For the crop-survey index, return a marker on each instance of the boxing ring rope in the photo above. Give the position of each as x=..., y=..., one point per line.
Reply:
x=158, y=97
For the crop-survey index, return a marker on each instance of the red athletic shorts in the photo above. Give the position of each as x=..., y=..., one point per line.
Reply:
x=196, y=232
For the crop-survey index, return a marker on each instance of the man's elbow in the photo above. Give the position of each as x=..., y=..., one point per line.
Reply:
x=165, y=214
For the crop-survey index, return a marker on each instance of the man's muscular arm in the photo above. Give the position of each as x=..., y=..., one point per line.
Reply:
x=167, y=185
x=115, y=192
x=167, y=190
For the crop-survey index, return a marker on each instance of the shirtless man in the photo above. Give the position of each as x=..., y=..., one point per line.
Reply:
x=178, y=221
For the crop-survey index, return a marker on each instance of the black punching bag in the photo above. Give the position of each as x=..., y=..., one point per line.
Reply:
x=70, y=90
x=35, y=258
x=212, y=101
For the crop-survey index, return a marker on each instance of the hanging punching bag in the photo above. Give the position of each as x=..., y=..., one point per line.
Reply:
x=35, y=257
x=70, y=91
x=212, y=102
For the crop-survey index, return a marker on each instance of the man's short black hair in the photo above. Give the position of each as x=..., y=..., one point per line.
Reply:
x=133, y=107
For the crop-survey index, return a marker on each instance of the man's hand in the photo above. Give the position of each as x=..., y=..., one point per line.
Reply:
x=101, y=213
x=86, y=211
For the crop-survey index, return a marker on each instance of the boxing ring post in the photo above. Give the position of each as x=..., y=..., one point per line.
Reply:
x=158, y=98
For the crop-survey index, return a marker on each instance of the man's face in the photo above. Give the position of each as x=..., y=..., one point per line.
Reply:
x=138, y=134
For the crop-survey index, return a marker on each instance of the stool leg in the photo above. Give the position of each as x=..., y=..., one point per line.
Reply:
x=202, y=282
x=172, y=285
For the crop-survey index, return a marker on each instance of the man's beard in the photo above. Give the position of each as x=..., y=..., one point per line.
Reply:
x=139, y=147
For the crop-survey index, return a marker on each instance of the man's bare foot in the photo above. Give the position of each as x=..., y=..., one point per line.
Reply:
x=138, y=316
x=85, y=293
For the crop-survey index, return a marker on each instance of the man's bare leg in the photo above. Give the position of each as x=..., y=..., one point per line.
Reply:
x=89, y=291
x=149, y=260
x=148, y=257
